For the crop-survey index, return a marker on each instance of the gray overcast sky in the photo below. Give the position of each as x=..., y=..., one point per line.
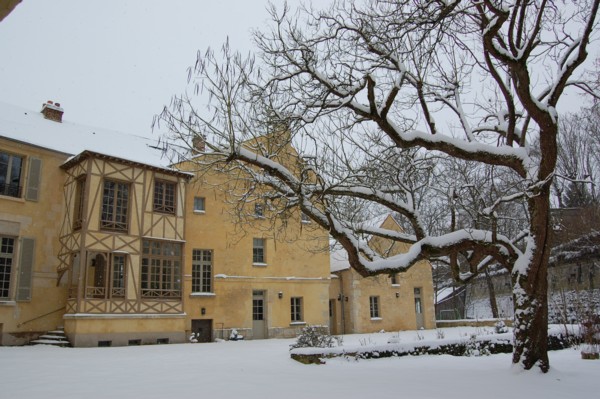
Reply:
x=114, y=63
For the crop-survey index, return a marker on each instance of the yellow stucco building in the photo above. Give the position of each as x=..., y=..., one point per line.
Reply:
x=100, y=235
x=403, y=301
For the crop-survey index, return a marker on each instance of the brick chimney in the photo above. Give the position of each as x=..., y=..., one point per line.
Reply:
x=198, y=144
x=52, y=111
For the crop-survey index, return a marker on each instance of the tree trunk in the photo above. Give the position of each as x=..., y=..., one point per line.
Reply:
x=492, y=294
x=530, y=292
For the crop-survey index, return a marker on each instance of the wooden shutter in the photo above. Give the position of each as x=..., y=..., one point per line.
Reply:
x=32, y=191
x=25, y=269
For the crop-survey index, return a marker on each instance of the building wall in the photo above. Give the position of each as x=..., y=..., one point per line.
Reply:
x=24, y=219
x=94, y=313
x=351, y=295
x=296, y=266
x=397, y=310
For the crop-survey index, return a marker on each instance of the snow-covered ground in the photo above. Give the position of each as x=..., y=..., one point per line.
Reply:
x=263, y=369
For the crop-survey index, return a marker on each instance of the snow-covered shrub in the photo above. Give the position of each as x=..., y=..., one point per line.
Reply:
x=474, y=347
x=500, y=327
x=315, y=337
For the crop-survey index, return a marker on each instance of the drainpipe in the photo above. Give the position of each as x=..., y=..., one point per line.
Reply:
x=342, y=300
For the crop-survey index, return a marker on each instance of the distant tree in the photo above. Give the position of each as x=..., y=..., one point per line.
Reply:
x=577, y=196
x=358, y=84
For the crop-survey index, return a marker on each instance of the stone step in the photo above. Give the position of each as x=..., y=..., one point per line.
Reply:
x=53, y=337
x=52, y=342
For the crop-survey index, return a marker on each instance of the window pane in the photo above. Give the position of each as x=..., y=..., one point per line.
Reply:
x=161, y=269
x=10, y=174
x=164, y=196
x=199, y=204
x=201, y=270
x=258, y=250
x=115, y=201
x=6, y=257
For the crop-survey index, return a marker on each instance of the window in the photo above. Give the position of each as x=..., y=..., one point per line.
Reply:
x=199, y=204
x=10, y=175
x=164, y=196
x=258, y=250
x=106, y=279
x=259, y=211
x=296, y=309
x=374, y=307
x=161, y=269
x=118, y=276
x=201, y=270
x=394, y=279
x=7, y=247
x=304, y=218
x=79, y=195
x=115, y=201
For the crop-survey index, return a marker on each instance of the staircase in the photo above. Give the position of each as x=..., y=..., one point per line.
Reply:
x=55, y=338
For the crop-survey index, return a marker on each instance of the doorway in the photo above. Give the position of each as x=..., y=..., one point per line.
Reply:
x=419, y=309
x=202, y=329
x=259, y=321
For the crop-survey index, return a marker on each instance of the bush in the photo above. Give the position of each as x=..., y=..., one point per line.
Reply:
x=315, y=337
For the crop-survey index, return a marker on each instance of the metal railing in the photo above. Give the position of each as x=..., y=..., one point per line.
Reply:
x=41, y=316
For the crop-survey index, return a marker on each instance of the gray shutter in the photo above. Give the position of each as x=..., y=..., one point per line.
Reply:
x=25, y=269
x=33, y=179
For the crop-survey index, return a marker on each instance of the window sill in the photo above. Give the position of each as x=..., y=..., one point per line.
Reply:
x=6, y=302
x=11, y=198
x=259, y=264
x=202, y=294
x=376, y=318
x=395, y=285
x=298, y=323
x=197, y=212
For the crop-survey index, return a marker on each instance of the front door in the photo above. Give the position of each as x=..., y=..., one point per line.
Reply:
x=419, y=309
x=202, y=330
x=259, y=319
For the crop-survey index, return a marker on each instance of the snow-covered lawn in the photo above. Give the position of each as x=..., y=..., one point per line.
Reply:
x=263, y=369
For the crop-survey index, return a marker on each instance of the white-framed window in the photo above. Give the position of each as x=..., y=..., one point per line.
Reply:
x=202, y=270
x=199, y=204
x=258, y=250
x=7, y=249
x=296, y=309
x=374, y=307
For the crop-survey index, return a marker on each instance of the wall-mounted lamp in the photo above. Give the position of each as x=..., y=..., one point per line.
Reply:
x=346, y=299
x=203, y=311
x=339, y=297
x=397, y=295
x=280, y=294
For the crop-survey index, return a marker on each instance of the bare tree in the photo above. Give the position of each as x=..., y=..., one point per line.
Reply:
x=356, y=85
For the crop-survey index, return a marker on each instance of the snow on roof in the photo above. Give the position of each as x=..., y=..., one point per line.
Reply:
x=31, y=127
x=338, y=260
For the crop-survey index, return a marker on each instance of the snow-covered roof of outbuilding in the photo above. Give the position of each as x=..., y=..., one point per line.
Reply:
x=31, y=127
x=338, y=260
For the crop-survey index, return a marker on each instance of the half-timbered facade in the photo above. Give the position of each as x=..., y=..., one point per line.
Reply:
x=122, y=250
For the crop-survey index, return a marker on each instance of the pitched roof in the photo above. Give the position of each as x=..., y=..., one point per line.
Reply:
x=31, y=127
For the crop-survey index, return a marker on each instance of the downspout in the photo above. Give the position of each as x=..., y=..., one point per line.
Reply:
x=342, y=300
